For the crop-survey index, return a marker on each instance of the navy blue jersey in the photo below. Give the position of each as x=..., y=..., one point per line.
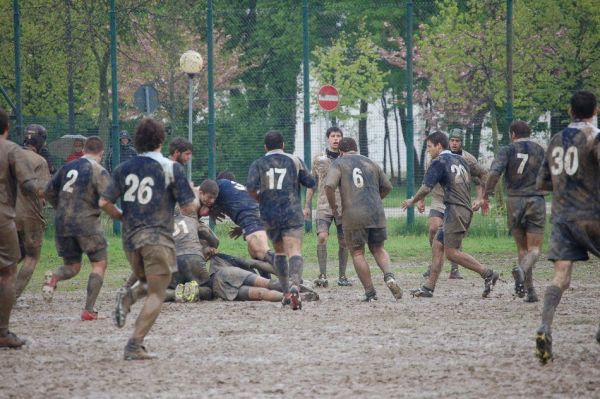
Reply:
x=74, y=192
x=149, y=185
x=520, y=162
x=234, y=199
x=276, y=178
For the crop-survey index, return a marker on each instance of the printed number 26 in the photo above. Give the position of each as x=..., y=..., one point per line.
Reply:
x=140, y=190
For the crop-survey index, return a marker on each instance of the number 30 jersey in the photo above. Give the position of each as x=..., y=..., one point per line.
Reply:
x=571, y=169
x=149, y=185
x=520, y=162
x=277, y=177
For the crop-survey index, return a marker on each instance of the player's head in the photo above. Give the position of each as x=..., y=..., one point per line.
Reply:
x=149, y=135
x=226, y=175
x=94, y=146
x=273, y=140
x=455, y=139
x=35, y=129
x=519, y=130
x=78, y=145
x=583, y=105
x=208, y=192
x=348, y=144
x=4, y=123
x=124, y=137
x=33, y=140
x=436, y=143
x=334, y=136
x=180, y=150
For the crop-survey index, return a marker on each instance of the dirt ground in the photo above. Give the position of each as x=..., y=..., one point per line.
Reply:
x=455, y=344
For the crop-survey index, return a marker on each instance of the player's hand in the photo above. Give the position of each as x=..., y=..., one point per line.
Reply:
x=406, y=204
x=203, y=211
x=235, y=232
x=485, y=207
x=307, y=213
x=209, y=252
x=336, y=213
x=216, y=214
x=477, y=204
x=421, y=206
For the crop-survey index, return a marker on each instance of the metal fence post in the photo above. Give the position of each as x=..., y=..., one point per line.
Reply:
x=410, y=169
x=19, y=102
x=114, y=138
x=305, y=68
x=211, y=94
x=509, y=63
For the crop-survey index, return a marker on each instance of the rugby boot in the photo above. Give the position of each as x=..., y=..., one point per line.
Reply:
x=344, y=282
x=519, y=277
x=322, y=281
x=543, y=344
x=390, y=281
x=531, y=296
x=122, y=306
x=87, y=315
x=49, y=286
x=135, y=351
x=191, y=291
x=455, y=274
x=287, y=299
x=10, y=340
x=489, y=282
x=179, y=293
x=370, y=296
x=598, y=334
x=422, y=292
x=295, y=300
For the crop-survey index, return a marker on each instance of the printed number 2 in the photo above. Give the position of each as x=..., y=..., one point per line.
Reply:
x=271, y=176
x=144, y=194
x=564, y=160
x=72, y=176
x=357, y=177
x=524, y=158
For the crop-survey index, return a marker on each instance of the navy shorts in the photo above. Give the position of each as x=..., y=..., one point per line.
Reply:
x=574, y=239
x=250, y=222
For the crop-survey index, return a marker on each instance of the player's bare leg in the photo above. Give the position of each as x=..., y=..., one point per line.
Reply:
x=433, y=223
x=69, y=270
x=534, y=246
x=383, y=261
x=8, y=277
x=464, y=259
x=293, y=249
x=437, y=261
x=25, y=273
x=561, y=281
x=247, y=293
x=95, y=281
x=258, y=248
x=343, y=262
x=322, y=238
x=363, y=272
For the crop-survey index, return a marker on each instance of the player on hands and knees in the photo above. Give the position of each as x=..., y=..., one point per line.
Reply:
x=520, y=162
x=362, y=184
x=571, y=169
x=453, y=173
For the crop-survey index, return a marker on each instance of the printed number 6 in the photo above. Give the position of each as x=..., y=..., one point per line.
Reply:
x=357, y=177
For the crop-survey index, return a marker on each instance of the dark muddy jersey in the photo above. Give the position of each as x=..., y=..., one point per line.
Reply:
x=360, y=181
x=14, y=171
x=234, y=199
x=185, y=234
x=276, y=178
x=520, y=162
x=30, y=206
x=74, y=192
x=453, y=173
x=571, y=168
x=149, y=185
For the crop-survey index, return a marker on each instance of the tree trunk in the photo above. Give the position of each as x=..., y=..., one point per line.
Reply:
x=475, y=126
x=417, y=166
x=499, y=195
x=387, y=144
x=103, y=95
x=70, y=67
x=363, y=142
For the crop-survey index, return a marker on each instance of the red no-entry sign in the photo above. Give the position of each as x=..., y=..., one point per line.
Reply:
x=329, y=98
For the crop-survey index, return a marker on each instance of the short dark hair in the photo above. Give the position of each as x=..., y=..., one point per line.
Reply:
x=273, y=140
x=348, y=144
x=438, y=137
x=4, y=121
x=149, y=135
x=226, y=175
x=520, y=129
x=93, y=145
x=583, y=104
x=40, y=130
x=334, y=129
x=34, y=140
x=209, y=186
x=180, y=144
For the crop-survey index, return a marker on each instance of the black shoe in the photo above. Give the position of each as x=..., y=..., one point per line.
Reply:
x=370, y=296
x=422, y=292
x=135, y=351
x=489, y=282
x=322, y=281
x=543, y=344
x=531, y=296
x=598, y=334
x=519, y=277
x=344, y=282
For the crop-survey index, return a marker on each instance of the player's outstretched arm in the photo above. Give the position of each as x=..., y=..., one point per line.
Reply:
x=422, y=193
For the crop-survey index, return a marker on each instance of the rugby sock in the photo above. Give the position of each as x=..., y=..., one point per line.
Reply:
x=281, y=265
x=93, y=289
x=65, y=273
x=551, y=300
x=275, y=285
x=269, y=257
x=343, y=258
x=7, y=298
x=453, y=267
x=529, y=260
x=296, y=266
x=131, y=280
x=322, y=258
x=529, y=280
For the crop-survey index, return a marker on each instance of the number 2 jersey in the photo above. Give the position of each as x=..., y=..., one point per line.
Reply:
x=74, y=192
x=571, y=169
x=276, y=178
x=149, y=185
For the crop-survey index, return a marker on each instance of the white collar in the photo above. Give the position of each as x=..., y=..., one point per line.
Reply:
x=275, y=151
x=581, y=124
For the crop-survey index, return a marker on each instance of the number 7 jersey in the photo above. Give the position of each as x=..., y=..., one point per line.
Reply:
x=571, y=169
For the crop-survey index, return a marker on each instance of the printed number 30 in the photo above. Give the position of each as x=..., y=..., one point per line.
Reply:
x=357, y=177
x=144, y=194
x=564, y=160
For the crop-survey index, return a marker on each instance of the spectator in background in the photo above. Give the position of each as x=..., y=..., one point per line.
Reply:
x=41, y=131
x=127, y=150
x=77, y=150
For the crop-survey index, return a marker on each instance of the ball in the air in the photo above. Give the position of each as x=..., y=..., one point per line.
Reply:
x=191, y=62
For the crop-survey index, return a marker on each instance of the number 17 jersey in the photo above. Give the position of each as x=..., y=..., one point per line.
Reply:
x=149, y=185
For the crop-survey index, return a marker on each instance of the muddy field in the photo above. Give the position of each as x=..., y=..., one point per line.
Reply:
x=455, y=344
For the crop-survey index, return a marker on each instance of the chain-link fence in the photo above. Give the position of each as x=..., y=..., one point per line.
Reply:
x=463, y=77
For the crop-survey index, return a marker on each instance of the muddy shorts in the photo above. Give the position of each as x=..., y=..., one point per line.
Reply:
x=277, y=234
x=31, y=237
x=456, y=224
x=72, y=248
x=359, y=237
x=574, y=239
x=250, y=222
x=188, y=267
x=153, y=260
x=527, y=213
x=9, y=245
x=324, y=222
x=226, y=282
x=434, y=213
